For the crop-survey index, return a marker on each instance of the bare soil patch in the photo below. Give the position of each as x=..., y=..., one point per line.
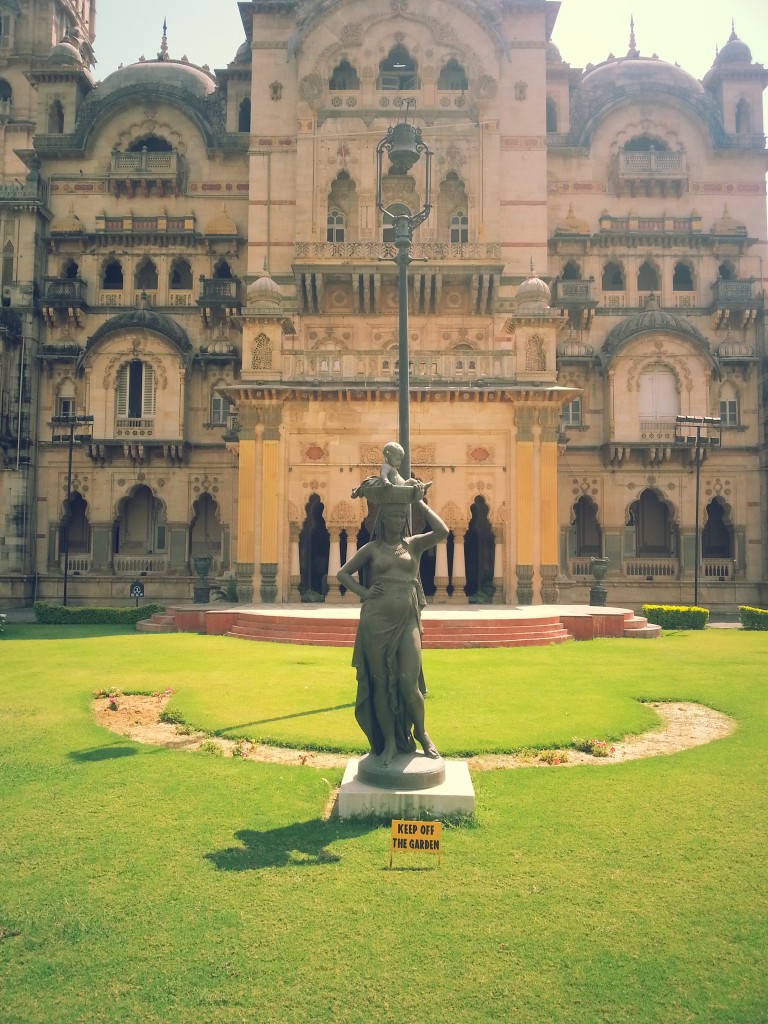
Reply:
x=683, y=726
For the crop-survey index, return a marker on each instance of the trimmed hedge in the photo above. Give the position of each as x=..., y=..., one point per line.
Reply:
x=58, y=615
x=753, y=618
x=671, y=616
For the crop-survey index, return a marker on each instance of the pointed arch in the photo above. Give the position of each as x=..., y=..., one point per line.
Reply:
x=399, y=71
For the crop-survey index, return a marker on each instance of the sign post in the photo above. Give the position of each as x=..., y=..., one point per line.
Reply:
x=415, y=837
x=137, y=590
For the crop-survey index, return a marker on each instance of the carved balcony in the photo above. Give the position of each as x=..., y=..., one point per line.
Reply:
x=219, y=297
x=577, y=299
x=735, y=303
x=129, y=172
x=63, y=299
x=652, y=173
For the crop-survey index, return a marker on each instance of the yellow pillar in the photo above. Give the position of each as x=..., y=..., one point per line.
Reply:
x=550, y=428
x=270, y=416
x=246, y=505
x=525, y=503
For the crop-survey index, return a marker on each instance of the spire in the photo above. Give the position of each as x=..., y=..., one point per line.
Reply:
x=733, y=31
x=163, y=55
x=633, y=50
x=531, y=274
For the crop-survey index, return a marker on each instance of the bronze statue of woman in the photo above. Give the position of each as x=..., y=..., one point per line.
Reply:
x=387, y=656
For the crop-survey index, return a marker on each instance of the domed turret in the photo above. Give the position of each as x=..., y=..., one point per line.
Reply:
x=244, y=53
x=263, y=295
x=66, y=52
x=221, y=224
x=734, y=51
x=533, y=294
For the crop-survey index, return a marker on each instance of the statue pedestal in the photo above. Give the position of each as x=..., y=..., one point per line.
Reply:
x=454, y=795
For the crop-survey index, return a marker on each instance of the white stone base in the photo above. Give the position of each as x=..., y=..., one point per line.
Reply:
x=454, y=796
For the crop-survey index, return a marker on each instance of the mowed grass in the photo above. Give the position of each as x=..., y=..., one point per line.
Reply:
x=146, y=885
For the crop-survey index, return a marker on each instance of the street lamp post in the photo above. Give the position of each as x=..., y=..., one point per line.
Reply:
x=698, y=443
x=404, y=146
x=69, y=438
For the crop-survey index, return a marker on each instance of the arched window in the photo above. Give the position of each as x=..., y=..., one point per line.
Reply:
x=647, y=278
x=613, y=278
x=335, y=231
x=56, y=118
x=551, y=115
x=261, y=355
x=653, y=528
x=152, y=144
x=146, y=276
x=459, y=227
x=398, y=71
x=8, y=274
x=344, y=77
x=659, y=400
x=136, y=391
x=244, y=116
x=682, y=278
x=112, y=277
x=726, y=272
x=571, y=271
x=70, y=270
x=222, y=271
x=589, y=541
x=205, y=528
x=452, y=77
x=717, y=535
x=75, y=535
x=644, y=143
x=181, y=275
x=743, y=118
x=394, y=210
x=6, y=97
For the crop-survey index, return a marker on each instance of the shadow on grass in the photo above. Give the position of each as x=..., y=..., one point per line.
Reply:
x=283, y=718
x=304, y=844
x=108, y=753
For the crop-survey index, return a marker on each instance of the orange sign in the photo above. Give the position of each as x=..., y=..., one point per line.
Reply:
x=415, y=837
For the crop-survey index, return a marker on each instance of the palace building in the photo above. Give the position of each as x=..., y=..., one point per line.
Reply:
x=195, y=264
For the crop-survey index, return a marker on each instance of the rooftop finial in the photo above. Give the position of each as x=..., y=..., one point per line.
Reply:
x=531, y=266
x=163, y=55
x=733, y=31
x=633, y=50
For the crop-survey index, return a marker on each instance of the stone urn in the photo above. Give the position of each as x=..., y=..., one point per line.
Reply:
x=201, y=590
x=597, y=592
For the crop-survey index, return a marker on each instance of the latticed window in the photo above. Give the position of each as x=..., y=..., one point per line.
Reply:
x=136, y=390
x=261, y=358
x=459, y=227
x=535, y=358
x=335, y=226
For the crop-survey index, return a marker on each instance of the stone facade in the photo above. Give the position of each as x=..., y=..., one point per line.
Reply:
x=213, y=283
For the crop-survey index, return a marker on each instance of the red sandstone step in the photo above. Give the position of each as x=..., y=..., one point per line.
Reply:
x=150, y=626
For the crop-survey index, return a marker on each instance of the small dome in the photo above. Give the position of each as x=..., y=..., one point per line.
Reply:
x=574, y=349
x=734, y=52
x=222, y=225
x=732, y=348
x=553, y=54
x=533, y=293
x=218, y=348
x=572, y=225
x=69, y=224
x=244, y=53
x=727, y=225
x=264, y=294
x=65, y=52
x=652, y=319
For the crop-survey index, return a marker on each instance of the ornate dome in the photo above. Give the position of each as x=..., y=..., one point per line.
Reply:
x=638, y=71
x=221, y=224
x=572, y=348
x=732, y=348
x=69, y=224
x=734, y=52
x=66, y=52
x=533, y=294
x=264, y=295
x=160, y=73
x=727, y=225
x=244, y=53
x=572, y=225
x=652, y=319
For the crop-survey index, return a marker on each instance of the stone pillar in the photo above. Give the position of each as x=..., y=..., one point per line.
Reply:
x=333, y=595
x=549, y=419
x=498, y=566
x=441, y=575
x=294, y=594
x=246, y=506
x=524, y=418
x=270, y=415
x=458, y=578
x=101, y=547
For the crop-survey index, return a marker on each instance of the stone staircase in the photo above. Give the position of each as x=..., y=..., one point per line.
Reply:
x=638, y=628
x=159, y=623
x=438, y=633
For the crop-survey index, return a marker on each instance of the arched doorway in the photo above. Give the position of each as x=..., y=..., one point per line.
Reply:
x=717, y=535
x=205, y=530
x=479, y=553
x=314, y=549
x=139, y=527
x=589, y=541
x=654, y=529
x=74, y=528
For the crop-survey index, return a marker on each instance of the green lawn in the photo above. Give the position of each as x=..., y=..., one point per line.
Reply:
x=154, y=887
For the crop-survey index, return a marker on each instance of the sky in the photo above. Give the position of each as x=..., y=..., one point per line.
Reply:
x=682, y=31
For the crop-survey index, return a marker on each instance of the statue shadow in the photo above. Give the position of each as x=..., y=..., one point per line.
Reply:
x=282, y=718
x=302, y=844
x=106, y=753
